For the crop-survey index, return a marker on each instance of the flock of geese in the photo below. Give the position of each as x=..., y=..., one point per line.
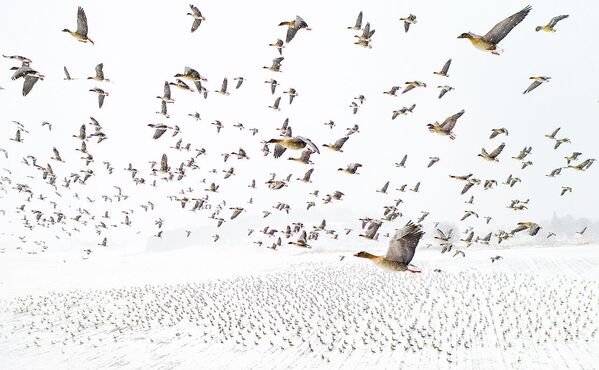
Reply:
x=281, y=316
x=48, y=209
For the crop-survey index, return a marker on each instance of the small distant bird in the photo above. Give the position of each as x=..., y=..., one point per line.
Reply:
x=337, y=145
x=67, y=76
x=101, y=95
x=550, y=27
x=293, y=26
x=538, y=80
x=559, y=142
x=552, y=135
x=565, y=189
x=498, y=131
x=99, y=74
x=278, y=45
x=493, y=155
x=352, y=168
x=447, y=126
x=582, y=231
x=489, y=41
x=275, y=67
x=358, y=25
x=433, y=161
x=444, y=90
x=402, y=248
x=532, y=228
x=392, y=91
x=81, y=33
x=197, y=17
x=294, y=143
x=444, y=70
x=239, y=82
x=223, y=88
x=413, y=84
x=496, y=258
x=407, y=21
x=403, y=111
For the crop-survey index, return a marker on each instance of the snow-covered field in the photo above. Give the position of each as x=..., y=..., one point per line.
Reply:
x=535, y=308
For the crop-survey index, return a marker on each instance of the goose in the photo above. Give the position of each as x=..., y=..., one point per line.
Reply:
x=166, y=97
x=550, y=27
x=401, y=249
x=537, y=81
x=278, y=45
x=489, y=41
x=445, y=128
x=444, y=90
x=358, y=24
x=492, y=157
x=407, y=21
x=444, y=70
x=81, y=33
x=294, y=143
x=197, y=17
x=101, y=95
x=337, y=146
x=293, y=26
x=99, y=74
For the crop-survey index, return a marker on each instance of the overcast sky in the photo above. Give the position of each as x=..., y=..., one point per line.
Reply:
x=143, y=44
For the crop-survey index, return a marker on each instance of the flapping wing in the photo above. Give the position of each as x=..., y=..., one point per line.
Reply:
x=497, y=151
x=403, y=244
x=450, y=121
x=501, y=29
x=358, y=21
x=167, y=90
x=224, y=85
x=339, y=143
x=164, y=163
x=309, y=143
x=99, y=71
x=279, y=150
x=532, y=86
x=28, y=84
x=445, y=68
x=291, y=31
x=556, y=19
x=66, y=73
x=81, y=22
x=158, y=133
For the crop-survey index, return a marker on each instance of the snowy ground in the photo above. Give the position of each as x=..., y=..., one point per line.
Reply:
x=536, y=308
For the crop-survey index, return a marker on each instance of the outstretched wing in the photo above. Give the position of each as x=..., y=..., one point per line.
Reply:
x=450, y=121
x=556, y=19
x=445, y=68
x=81, y=22
x=279, y=150
x=532, y=86
x=501, y=29
x=497, y=151
x=403, y=244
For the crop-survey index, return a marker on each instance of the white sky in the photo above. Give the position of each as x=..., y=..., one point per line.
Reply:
x=143, y=44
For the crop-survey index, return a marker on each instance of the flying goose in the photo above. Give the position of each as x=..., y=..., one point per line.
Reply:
x=337, y=145
x=493, y=155
x=444, y=90
x=407, y=21
x=489, y=41
x=412, y=84
x=358, y=25
x=538, y=80
x=197, y=17
x=166, y=97
x=444, y=70
x=352, y=168
x=278, y=45
x=101, y=95
x=99, y=74
x=275, y=67
x=498, y=131
x=81, y=33
x=294, y=143
x=550, y=27
x=401, y=249
x=293, y=26
x=223, y=88
x=445, y=128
